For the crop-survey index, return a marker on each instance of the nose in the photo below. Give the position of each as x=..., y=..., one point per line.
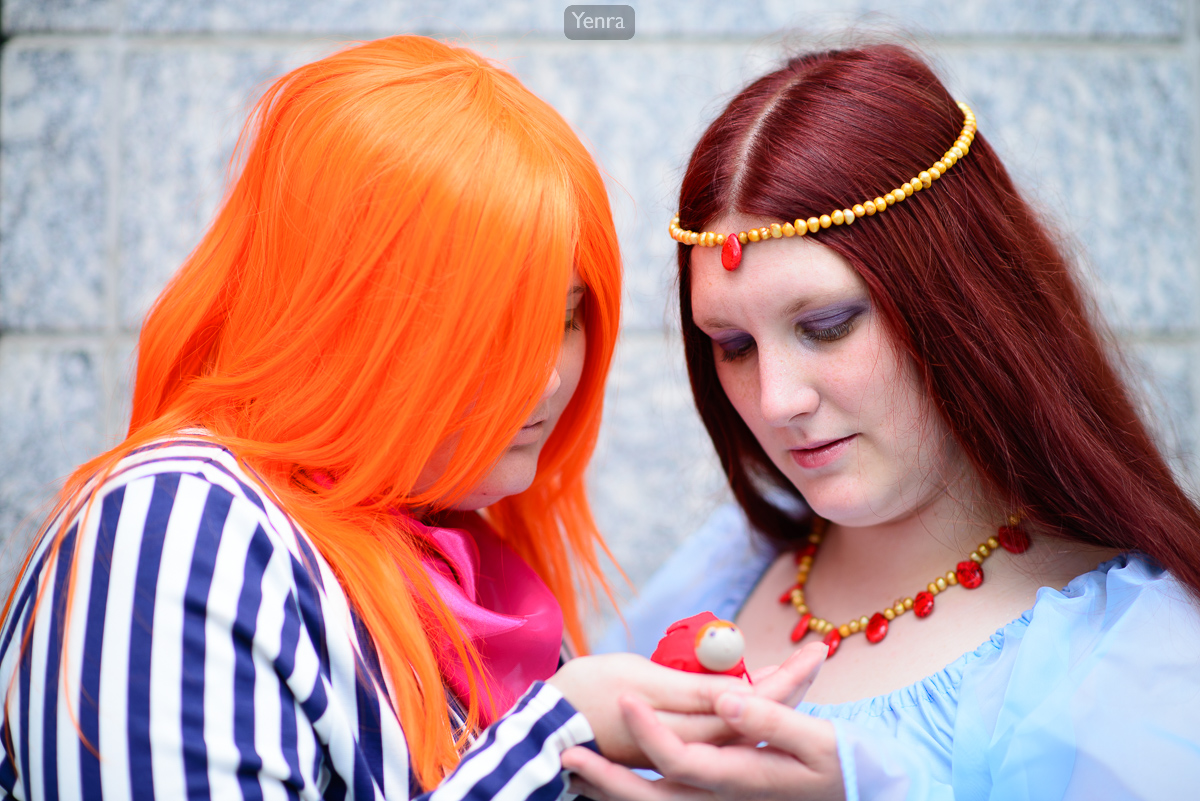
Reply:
x=785, y=391
x=552, y=385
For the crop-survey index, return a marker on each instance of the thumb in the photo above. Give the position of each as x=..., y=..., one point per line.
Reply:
x=763, y=720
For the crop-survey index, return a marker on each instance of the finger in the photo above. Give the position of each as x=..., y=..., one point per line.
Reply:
x=757, y=676
x=697, y=728
x=789, y=683
x=597, y=778
x=691, y=693
x=762, y=720
x=657, y=742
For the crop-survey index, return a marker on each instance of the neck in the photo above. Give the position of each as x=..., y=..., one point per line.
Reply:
x=903, y=554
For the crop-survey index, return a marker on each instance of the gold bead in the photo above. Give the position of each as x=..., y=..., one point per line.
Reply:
x=695, y=238
x=983, y=549
x=752, y=235
x=880, y=204
x=899, y=608
x=907, y=189
x=720, y=240
x=940, y=166
x=993, y=543
x=815, y=539
x=844, y=630
x=863, y=621
x=951, y=578
x=802, y=608
x=826, y=221
x=932, y=587
x=849, y=215
x=975, y=557
x=706, y=238
x=935, y=173
x=916, y=184
x=957, y=152
x=941, y=583
x=813, y=224
x=926, y=178
x=1014, y=519
x=908, y=603
x=764, y=233
x=814, y=624
x=789, y=229
x=776, y=230
x=889, y=613
x=860, y=209
x=838, y=217
x=869, y=207
x=853, y=626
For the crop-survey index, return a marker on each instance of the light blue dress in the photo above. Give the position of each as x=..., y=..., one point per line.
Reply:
x=1094, y=693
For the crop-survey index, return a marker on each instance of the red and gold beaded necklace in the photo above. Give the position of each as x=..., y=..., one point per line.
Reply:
x=968, y=573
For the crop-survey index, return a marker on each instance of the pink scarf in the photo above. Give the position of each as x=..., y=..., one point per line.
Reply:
x=503, y=606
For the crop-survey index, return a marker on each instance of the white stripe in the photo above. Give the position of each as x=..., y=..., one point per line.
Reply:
x=69, y=743
x=219, y=650
x=37, y=683
x=306, y=753
x=267, y=710
x=114, y=654
x=166, y=647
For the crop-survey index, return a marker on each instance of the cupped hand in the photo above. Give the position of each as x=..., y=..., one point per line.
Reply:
x=798, y=761
x=683, y=703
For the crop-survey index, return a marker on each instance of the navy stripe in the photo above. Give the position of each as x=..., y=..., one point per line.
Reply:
x=195, y=610
x=244, y=626
x=490, y=737
x=141, y=634
x=89, y=680
x=58, y=615
x=308, y=599
x=17, y=612
x=23, y=680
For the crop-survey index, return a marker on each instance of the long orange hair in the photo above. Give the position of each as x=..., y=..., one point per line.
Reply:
x=387, y=272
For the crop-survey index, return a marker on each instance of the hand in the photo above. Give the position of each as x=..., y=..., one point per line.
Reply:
x=800, y=759
x=684, y=702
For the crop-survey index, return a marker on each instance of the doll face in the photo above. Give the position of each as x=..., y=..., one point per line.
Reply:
x=514, y=471
x=811, y=370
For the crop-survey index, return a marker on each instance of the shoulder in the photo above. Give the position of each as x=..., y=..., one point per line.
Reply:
x=713, y=570
x=1103, y=675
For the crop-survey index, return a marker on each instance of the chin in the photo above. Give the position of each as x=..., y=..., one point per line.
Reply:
x=512, y=475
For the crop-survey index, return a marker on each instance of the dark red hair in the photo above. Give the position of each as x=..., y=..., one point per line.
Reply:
x=969, y=283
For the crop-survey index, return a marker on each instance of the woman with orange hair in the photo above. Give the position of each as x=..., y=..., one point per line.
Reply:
x=278, y=584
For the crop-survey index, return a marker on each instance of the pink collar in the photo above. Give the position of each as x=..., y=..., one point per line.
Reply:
x=503, y=606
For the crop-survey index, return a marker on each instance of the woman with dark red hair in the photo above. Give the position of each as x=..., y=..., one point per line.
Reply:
x=931, y=447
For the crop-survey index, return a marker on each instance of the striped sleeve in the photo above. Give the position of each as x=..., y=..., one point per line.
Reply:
x=206, y=654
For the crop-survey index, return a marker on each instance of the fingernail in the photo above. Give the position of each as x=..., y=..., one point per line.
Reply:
x=730, y=705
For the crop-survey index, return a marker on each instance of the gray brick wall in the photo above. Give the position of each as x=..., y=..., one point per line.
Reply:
x=117, y=118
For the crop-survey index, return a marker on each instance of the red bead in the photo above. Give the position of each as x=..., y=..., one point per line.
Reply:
x=833, y=639
x=877, y=628
x=801, y=627
x=923, y=603
x=786, y=598
x=808, y=550
x=969, y=573
x=1013, y=539
x=731, y=252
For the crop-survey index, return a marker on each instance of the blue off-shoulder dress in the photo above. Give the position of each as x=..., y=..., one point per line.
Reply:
x=1093, y=693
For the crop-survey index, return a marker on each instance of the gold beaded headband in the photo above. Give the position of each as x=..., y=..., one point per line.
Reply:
x=731, y=244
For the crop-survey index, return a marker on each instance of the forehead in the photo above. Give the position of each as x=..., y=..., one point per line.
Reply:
x=773, y=277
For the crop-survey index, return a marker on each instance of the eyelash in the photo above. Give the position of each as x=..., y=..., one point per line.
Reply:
x=572, y=322
x=821, y=336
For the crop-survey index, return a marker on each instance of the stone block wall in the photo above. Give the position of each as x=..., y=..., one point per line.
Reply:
x=117, y=118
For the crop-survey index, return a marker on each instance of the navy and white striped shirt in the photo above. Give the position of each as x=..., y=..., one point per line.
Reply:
x=211, y=653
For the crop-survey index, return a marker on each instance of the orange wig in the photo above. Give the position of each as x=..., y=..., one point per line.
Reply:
x=387, y=272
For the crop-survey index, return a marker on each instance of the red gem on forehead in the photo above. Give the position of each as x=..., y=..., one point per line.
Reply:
x=731, y=252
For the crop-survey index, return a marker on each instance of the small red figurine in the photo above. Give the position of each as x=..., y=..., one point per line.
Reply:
x=703, y=643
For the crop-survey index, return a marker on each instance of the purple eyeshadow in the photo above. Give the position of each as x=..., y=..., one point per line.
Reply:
x=831, y=316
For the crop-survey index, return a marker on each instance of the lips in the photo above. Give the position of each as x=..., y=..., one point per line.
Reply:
x=821, y=453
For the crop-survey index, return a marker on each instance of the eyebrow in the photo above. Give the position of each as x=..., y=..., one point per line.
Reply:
x=716, y=323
